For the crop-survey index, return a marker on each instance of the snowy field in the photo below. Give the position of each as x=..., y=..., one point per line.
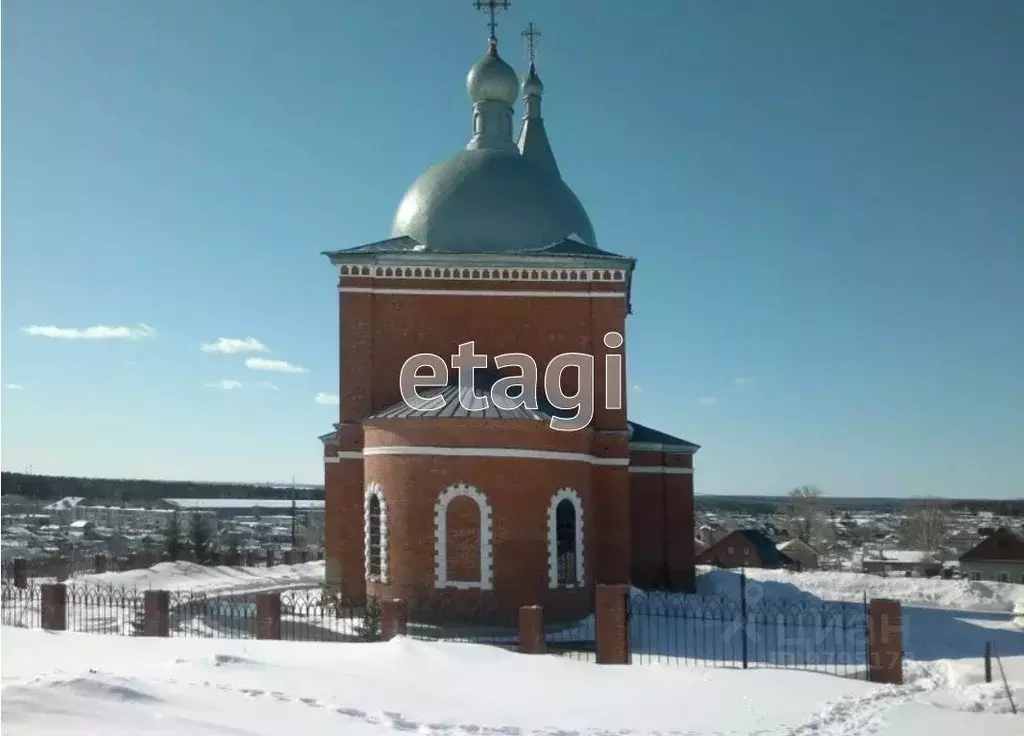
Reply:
x=215, y=579
x=964, y=595
x=103, y=685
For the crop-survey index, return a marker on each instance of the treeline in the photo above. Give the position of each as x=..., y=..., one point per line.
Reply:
x=114, y=491
x=769, y=504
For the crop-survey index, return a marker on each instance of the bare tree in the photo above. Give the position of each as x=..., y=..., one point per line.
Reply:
x=804, y=514
x=927, y=527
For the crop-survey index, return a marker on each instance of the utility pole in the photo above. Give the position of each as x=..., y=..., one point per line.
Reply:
x=293, y=512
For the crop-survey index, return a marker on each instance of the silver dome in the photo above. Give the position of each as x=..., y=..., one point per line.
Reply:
x=490, y=200
x=492, y=79
x=532, y=86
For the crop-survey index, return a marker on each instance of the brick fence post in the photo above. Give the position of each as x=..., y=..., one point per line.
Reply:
x=250, y=558
x=156, y=613
x=531, y=630
x=289, y=557
x=319, y=555
x=270, y=558
x=394, y=618
x=885, y=639
x=303, y=555
x=20, y=572
x=54, y=604
x=612, y=625
x=268, y=616
x=62, y=569
x=100, y=563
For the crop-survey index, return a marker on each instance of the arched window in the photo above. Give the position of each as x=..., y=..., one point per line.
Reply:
x=373, y=550
x=375, y=527
x=565, y=540
x=565, y=534
x=462, y=539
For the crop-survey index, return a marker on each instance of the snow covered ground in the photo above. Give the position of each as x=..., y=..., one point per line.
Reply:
x=82, y=684
x=964, y=595
x=56, y=683
x=215, y=579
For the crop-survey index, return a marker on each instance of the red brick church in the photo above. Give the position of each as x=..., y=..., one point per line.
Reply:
x=491, y=506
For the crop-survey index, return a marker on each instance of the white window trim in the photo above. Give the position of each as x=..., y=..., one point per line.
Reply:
x=571, y=495
x=448, y=495
x=375, y=489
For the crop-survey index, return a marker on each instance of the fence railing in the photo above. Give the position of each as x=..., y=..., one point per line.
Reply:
x=304, y=615
x=637, y=627
x=726, y=632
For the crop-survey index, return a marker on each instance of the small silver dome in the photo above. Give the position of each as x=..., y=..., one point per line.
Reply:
x=492, y=79
x=489, y=200
x=532, y=86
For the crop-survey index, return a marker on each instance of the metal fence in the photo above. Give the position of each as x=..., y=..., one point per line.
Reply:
x=809, y=634
x=306, y=615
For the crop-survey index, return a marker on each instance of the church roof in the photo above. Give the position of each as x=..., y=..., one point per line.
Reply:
x=569, y=246
x=453, y=408
x=642, y=435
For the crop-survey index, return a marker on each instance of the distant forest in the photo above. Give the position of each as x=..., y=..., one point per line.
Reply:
x=766, y=504
x=113, y=491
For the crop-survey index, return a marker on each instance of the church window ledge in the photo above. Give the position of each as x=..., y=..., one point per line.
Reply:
x=375, y=528
x=442, y=579
x=566, y=567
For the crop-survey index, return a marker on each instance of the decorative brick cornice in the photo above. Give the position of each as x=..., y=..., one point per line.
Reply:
x=375, y=490
x=448, y=272
x=448, y=495
x=565, y=494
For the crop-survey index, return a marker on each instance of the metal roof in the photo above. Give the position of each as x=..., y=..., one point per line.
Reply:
x=569, y=246
x=211, y=504
x=640, y=434
x=471, y=402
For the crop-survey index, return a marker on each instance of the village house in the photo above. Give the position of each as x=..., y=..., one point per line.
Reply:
x=806, y=556
x=900, y=562
x=745, y=548
x=999, y=557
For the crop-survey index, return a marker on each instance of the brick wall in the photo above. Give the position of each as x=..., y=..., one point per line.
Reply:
x=379, y=332
x=662, y=522
x=519, y=492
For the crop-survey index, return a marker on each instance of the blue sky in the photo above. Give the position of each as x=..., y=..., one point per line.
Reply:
x=825, y=200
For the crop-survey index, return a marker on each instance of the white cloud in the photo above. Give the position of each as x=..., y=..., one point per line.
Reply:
x=742, y=381
x=266, y=385
x=327, y=399
x=224, y=384
x=707, y=400
x=637, y=388
x=233, y=345
x=15, y=387
x=96, y=332
x=275, y=366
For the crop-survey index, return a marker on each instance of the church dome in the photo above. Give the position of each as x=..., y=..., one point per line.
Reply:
x=492, y=79
x=532, y=86
x=490, y=200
